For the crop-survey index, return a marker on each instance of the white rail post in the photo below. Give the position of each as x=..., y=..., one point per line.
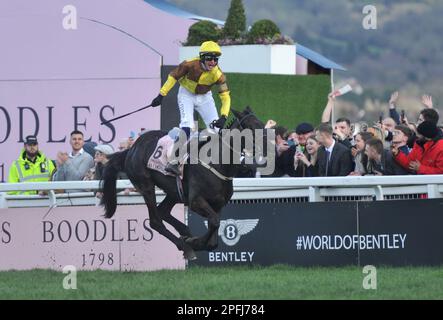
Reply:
x=379, y=193
x=52, y=198
x=3, y=201
x=433, y=192
x=314, y=195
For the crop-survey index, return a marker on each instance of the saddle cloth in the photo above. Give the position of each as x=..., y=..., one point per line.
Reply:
x=160, y=157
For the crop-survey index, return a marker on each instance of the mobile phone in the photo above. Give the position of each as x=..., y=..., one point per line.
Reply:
x=380, y=119
x=402, y=116
x=291, y=142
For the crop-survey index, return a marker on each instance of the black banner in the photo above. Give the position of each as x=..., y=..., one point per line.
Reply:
x=418, y=222
x=400, y=233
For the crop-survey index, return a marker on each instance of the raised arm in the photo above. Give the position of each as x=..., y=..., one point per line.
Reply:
x=393, y=113
x=224, y=95
x=326, y=116
x=427, y=101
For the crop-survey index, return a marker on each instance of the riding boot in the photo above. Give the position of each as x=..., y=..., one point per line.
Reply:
x=173, y=166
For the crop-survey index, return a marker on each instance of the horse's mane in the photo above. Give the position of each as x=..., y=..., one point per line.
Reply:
x=231, y=122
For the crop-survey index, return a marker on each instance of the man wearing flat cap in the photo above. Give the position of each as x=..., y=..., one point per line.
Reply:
x=302, y=133
x=31, y=166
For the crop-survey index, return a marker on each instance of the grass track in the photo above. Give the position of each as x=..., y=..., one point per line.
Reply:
x=277, y=282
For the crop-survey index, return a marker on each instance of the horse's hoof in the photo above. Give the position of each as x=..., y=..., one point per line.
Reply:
x=212, y=247
x=194, y=243
x=190, y=255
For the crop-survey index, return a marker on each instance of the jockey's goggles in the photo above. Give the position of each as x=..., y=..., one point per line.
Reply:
x=210, y=58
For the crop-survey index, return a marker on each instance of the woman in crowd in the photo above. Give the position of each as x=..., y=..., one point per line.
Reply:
x=309, y=163
x=358, y=152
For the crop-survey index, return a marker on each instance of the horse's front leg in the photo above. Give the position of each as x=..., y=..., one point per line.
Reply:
x=164, y=209
x=207, y=241
x=156, y=223
x=212, y=242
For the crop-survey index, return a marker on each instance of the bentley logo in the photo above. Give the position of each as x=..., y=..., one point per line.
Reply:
x=231, y=230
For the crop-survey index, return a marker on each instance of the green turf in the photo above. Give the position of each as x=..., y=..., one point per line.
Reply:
x=286, y=99
x=277, y=282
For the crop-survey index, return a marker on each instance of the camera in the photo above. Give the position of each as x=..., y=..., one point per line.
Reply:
x=402, y=117
x=291, y=142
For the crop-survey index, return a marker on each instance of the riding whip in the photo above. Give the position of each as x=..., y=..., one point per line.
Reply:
x=125, y=115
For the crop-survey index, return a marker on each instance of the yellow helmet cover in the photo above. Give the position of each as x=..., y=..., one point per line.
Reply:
x=210, y=47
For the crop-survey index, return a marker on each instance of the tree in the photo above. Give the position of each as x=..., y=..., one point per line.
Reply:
x=263, y=29
x=202, y=31
x=236, y=22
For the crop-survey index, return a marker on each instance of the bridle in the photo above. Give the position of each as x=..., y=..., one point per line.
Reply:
x=240, y=122
x=239, y=125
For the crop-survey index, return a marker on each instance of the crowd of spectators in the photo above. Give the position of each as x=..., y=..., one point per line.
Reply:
x=85, y=161
x=391, y=146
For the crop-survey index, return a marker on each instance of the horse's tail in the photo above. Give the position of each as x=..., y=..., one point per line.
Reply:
x=115, y=165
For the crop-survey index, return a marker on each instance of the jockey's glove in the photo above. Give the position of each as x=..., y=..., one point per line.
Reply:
x=157, y=101
x=220, y=123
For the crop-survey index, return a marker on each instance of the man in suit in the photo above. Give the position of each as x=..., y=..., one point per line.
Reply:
x=334, y=159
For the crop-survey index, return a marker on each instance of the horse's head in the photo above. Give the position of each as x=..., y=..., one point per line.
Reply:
x=245, y=120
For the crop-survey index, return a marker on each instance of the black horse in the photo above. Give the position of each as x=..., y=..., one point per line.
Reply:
x=206, y=188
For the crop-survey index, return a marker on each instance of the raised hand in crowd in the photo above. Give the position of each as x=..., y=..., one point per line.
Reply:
x=393, y=113
x=62, y=157
x=403, y=118
x=300, y=156
x=270, y=124
x=282, y=147
x=427, y=101
x=393, y=100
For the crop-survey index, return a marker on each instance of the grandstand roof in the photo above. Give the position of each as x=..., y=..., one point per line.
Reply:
x=318, y=58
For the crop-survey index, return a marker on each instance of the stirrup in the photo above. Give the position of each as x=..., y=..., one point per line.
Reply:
x=173, y=168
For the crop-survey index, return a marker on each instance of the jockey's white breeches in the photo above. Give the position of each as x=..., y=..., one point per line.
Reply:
x=203, y=103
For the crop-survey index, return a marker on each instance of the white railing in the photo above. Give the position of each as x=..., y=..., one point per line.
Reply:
x=246, y=189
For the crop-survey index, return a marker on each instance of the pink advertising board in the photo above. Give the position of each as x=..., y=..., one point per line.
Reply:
x=55, y=79
x=81, y=237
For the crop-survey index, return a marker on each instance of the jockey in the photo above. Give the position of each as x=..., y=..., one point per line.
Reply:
x=196, y=77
